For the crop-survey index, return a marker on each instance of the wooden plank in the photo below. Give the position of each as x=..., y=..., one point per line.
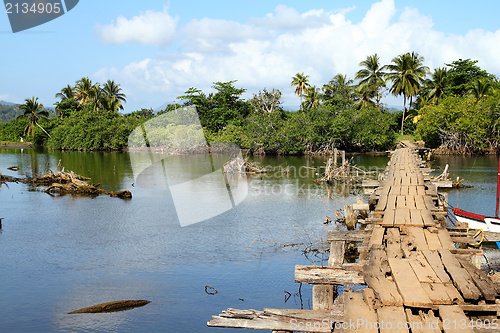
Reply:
x=454, y=319
x=277, y=320
x=410, y=202
x=337, y=251
x=416, y=218
x=404, y=190
x=424, y=322
x=428, y=219
x=454, y=294
x=382, y=203
x=377, y=236
x=326, y=275
x=401, y=201
x=322, y=296
x=421, y=189
x=393, y=240
x=412, y=191
x=394, y=319
x=433, y=241
x=402, y=217
x=437, y=293
x=346, y=235
x=435, y=262
x=357, y=311
x=461, y=279
x=391, y=201
x=422, y=268
x=418, y=238
x=445, y=240
x=429, y=203
x=388, y=219
x=481, y=280
x=375, y=274
x=419, y=202
x=408, y=285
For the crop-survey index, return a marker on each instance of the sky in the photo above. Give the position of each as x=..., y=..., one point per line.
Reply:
x=156, y=50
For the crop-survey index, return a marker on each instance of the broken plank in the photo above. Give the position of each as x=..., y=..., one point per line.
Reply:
x=357, y=311
x=408, y=285
x=445, y=239
x=337, y=251
x=377, y=236
x=454, y=319
x=393, y=240
x=435, y=262
x=375, y=274
x=461, y=278
x=422, y=268
x=481, y=280
x=418, y=238
x=346, y=235
x=424, y=322
x=394, y=319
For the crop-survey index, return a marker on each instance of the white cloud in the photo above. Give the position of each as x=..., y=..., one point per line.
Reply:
x=150, y=27
x=266, y=52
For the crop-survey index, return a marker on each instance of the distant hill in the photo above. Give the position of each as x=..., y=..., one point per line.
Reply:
x=8, y=111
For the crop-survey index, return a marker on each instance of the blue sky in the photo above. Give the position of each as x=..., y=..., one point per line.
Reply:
x=157, y=50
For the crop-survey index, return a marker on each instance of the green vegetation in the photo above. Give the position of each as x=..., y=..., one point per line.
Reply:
x=455, y=107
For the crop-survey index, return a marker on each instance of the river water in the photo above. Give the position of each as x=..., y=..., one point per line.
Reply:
x=61, y=253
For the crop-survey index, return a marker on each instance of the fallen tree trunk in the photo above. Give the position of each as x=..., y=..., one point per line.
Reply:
x=112, y=306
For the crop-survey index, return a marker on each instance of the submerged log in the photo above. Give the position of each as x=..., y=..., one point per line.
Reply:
x=238, y=165
x=112, y=306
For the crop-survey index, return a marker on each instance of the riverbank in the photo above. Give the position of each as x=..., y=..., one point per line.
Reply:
x=15, y=145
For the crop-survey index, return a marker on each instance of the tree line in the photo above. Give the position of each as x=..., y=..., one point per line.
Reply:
x=455, y=106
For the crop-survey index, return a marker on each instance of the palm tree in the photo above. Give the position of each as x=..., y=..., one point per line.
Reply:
x=301, y=82
x=83, y=90
x=312, y=97
x=406, y=73
x=33, y=111
x=366, y=93
x=372, y=76
x=113, y=92
x=437, y=85
x=66, y=93
x=480, y=88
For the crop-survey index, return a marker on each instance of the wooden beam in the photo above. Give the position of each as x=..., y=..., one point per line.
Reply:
x=326, y=275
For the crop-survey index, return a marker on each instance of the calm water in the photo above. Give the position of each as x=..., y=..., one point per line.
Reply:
x=59, y=254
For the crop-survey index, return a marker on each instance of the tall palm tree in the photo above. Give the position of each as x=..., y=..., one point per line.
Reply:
x=480, y=88
x=301, y=82
x=33, y=111
x=312, y=97
x=66, y=93
x=113, y=92
x=437, y=85
x=372, y=76
x=406, y=72
x=83, y=90
x=366, y=94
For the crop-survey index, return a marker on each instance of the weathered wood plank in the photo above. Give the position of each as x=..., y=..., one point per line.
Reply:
x=481, y=280
x=454, y=319
x=402, y=217
x=375, y=274
x=394, y=319
x=461, y=279
x=377, y=236
x=393, y=241
x=408, y=285
x=416, y=218
x=388, y=219
x=445, y=239
x=424, y=322
x=423, y=270
x=322, y=296
x=326, y=275
x=357, y=311
x=435, y=262
x=346, y=235
x=337, y=251
x=428, y=219
x=432, y=239
x=418, y=238
x=419, y=202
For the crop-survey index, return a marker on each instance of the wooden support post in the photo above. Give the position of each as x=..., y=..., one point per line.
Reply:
x=337, y=250
x=343, y=157
x=323, y=296
x=350, y=217
x=1, y=218
x=335, y=156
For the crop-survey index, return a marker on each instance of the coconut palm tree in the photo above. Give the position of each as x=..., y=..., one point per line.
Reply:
x=365, y=96
x=301, y=82
x=113, y=92
x=33, y=111
x=406, y=72
x=83, y=90
x=66, y=93
x=480, y=88
x=372, y=76
x=312, y=97
x=437, y=85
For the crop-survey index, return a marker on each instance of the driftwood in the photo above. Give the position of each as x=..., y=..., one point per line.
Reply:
x=63, y=182
x=239, y=165
x=112, y=306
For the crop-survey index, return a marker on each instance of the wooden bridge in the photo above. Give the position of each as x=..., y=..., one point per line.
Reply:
x=416, y=278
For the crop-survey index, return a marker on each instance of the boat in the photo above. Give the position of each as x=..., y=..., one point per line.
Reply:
x=477, y=221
